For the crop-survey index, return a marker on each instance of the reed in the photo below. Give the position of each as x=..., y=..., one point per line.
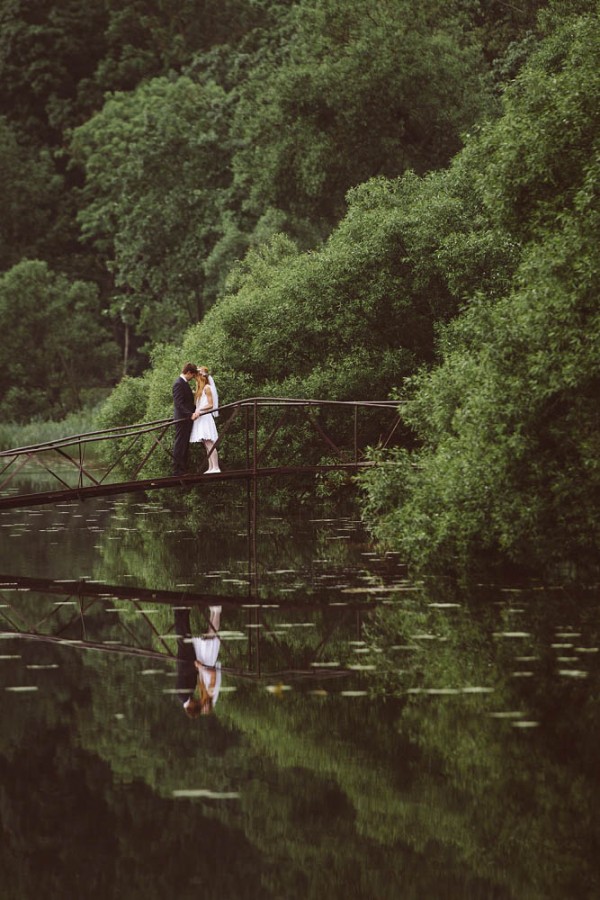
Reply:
x=15, y=434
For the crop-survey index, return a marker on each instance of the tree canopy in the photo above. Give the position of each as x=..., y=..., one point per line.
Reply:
x=335, y=200
x=59, y=352
x=358, y=91
x=508, y=420
x=157, y=163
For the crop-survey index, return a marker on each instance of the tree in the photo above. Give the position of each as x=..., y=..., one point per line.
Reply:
x=29, y=192
x=59, y=57
x=55, y=353
x=357, y=91
x=509, y=420
x=150, y=38
x=156, y=167
x=47, y=50
x=349, y=321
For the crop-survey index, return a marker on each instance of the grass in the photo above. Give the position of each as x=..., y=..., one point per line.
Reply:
x=13, y=434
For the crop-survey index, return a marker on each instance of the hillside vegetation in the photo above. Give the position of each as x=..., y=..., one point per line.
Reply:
x=322, y=199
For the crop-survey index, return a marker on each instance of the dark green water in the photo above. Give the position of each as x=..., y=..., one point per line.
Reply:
x=372, y=738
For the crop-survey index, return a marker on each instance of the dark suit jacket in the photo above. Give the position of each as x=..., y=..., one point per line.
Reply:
x=183, y=400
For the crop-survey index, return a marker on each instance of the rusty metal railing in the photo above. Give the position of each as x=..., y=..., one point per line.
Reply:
x=344, y=447
x=77, y=622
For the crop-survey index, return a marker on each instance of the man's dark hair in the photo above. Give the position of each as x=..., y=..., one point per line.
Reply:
x=189, y=367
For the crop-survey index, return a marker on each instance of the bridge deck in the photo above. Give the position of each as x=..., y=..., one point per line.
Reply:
x=82, y=588
x=202, y=480
x=327, y=434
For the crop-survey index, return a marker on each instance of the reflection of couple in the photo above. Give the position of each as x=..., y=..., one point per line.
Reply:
x=198, y=672
x=194, y=417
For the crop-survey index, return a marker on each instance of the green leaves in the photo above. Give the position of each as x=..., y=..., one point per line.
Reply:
x=156, y=164
x=359, y=93
x=509, y=419
x=55, y=354
x=30, y=190
x=547, y=135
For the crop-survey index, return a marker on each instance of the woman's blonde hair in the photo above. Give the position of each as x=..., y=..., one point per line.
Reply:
x=206, y=700
x=201, y=381
x=201, y=705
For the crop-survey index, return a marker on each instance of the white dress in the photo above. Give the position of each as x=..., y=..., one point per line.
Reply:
x=203, y=428
x=207, y=651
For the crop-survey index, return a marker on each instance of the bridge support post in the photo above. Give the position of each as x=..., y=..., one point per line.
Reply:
x=255, y=438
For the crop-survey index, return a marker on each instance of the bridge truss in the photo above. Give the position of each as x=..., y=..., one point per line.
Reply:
x=314, y=436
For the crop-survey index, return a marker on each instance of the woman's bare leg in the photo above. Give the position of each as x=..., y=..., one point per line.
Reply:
x=213, y=458
x=215, y=618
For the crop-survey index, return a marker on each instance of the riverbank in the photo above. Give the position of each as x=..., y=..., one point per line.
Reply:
x=15, y=434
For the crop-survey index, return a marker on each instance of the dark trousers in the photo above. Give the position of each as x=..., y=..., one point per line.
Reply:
x=181, y=446
x=186, y=670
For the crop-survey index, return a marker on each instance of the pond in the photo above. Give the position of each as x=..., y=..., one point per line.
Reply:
x=365, y=736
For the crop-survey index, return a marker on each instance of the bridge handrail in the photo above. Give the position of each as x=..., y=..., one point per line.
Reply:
x=124, y=431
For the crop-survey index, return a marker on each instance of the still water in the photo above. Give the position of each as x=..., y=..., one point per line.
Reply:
x=369, y=737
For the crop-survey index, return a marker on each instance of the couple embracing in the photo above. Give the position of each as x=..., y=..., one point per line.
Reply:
x=194, y=417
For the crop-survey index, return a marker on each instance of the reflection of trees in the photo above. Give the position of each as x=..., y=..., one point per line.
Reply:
x=388, y=795
x=368, y=796
x=425, y=775
x=303, y=643
x=427, y=785
x=493, y=795
x=297, y=784
x=68, y=828
x=162, y=545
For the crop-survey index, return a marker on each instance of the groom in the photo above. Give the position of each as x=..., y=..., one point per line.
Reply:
x=184, y=415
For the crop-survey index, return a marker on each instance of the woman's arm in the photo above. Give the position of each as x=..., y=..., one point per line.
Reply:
x=209, y=397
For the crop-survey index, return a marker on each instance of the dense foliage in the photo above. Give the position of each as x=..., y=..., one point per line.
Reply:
x=508, y=420
x=359, y=91
x=330, y=198
x=156, y=169
x=59, y=350
x=161, y=140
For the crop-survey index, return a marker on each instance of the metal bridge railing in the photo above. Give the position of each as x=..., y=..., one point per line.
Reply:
x=76, y=623
x=344, y=443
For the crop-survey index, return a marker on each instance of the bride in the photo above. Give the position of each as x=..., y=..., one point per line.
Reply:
x=204, y=428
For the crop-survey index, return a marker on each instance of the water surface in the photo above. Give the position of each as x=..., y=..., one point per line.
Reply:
x=372, y=737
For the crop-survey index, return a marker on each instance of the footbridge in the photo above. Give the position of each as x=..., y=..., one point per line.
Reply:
x=256, y=434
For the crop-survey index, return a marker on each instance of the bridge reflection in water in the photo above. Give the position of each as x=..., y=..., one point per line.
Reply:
x=313, y=436
x=80, y=618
